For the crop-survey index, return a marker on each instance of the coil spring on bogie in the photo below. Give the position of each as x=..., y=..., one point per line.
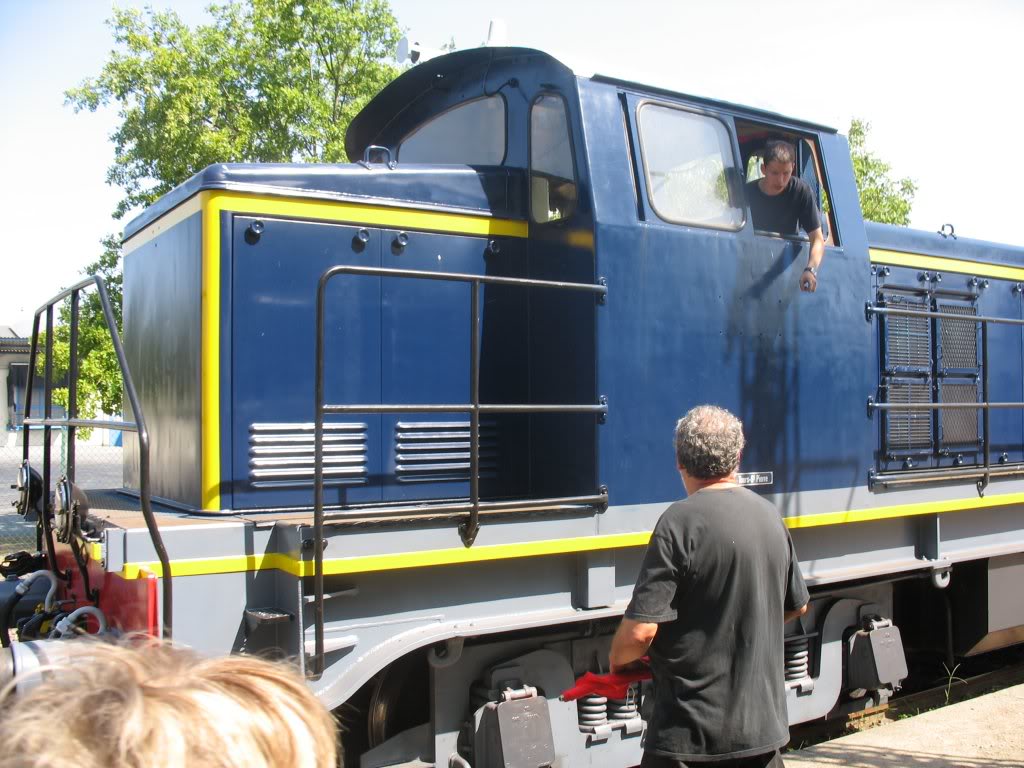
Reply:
x=624, y=709
x=798, y=658
x=592, y=711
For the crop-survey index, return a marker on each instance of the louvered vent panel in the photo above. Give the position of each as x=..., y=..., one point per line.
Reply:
x=282, y=454
x=427, y=452
x=959, y=426
x=908, y=340
x=908, y=430
x=959, y=338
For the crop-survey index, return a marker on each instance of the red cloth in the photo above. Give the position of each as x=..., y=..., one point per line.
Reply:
x=612, y=685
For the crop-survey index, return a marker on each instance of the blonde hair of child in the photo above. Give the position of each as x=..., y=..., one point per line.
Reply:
x=152, y=705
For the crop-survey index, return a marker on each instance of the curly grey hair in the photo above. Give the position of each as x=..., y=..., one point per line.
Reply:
x=708, y=442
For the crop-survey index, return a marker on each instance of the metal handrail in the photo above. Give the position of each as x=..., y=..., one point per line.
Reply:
x=872, y=309
x=942, y=406
x=469, y=529
x=464, y=408
x=945, y=474
x=72, y=422
x=69, y=422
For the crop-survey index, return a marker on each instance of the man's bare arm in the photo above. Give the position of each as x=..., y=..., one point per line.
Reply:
x=808, y=280
x=631, y=641
x=790, y=615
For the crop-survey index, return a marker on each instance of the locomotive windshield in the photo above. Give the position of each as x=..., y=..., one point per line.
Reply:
x=552, y=178
x=472, y=133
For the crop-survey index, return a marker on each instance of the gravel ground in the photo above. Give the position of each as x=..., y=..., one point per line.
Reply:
x=97, y=466
x=984, y=732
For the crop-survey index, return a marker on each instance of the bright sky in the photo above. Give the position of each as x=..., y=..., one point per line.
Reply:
x=937, y=79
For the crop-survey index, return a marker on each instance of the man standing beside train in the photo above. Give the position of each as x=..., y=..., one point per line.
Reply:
x=718, y=581
x=779, y=201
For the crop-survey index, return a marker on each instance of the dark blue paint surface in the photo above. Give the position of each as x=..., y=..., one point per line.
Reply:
x=425, y=344
x=274, y=284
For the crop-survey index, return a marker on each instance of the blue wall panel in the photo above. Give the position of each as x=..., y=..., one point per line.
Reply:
x=274, y=284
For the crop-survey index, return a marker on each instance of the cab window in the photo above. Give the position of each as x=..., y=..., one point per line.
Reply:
x=688, y=161
x=552, y=172
x=472, y=133
x=753, y=138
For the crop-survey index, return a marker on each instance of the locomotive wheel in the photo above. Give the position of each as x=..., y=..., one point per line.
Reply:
x=394, y=699
x=400, y=699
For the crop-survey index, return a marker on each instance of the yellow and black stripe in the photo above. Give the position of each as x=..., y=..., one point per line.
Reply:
x=945, y=264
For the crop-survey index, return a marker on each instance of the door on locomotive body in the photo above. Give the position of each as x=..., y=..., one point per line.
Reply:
x=273, y=287
x=562, y=324
x=670, y=312
x=786, y=337
x=721, y=300
x=426, y=327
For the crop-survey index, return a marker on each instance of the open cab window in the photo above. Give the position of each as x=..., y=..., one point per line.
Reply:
x=752, y=139
x=552, y=171
x=472, y=133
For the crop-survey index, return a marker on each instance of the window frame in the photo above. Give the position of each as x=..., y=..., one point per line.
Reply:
x=529, y=154
x=448, y=110
x=794, y=136
x=731, y=140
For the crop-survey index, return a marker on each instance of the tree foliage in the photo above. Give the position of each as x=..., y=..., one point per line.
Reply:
x=882, y=198
x=264, y=81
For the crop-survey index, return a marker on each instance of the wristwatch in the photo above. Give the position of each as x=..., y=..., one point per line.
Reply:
x=812, y=270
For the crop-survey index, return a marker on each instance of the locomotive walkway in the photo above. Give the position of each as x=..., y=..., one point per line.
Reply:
x=984, y=732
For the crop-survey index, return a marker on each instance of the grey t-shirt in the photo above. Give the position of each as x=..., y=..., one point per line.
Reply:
x=718, y=573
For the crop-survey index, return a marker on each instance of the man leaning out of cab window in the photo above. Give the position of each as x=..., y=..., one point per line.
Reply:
x=779, y=202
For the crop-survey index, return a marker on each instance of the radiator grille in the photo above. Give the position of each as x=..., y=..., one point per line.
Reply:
x=908, y=340
x=908, y=430
x=431, y=451
x=281, y=454
x=959, y=338
x=959, y=426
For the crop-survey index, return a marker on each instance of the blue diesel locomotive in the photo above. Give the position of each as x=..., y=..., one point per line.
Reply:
x=408, y=420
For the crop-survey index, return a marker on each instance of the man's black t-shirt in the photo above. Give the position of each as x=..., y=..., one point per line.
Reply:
x=782, y=212
x=718, y=573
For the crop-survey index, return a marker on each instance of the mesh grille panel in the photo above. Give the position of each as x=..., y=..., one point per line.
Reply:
x=908, y=340
x=908, y=430
x=959, y=426
x=959, y=337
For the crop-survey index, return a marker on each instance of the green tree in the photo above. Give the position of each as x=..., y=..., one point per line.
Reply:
x=882, y=198
x=262, y=81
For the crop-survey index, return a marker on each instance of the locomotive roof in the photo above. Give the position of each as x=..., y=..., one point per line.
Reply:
x=390, y=106
x=729, y=106
x=406, y=89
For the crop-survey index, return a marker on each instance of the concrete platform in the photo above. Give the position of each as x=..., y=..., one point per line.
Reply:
x=986, y=732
